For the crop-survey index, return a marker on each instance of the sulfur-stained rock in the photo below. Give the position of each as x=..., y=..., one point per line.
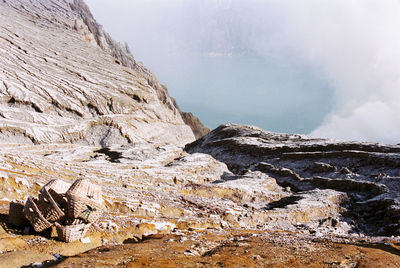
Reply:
x=10, y=243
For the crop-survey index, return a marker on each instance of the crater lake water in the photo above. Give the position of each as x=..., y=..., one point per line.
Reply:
x=279, y=94
x=257, y=79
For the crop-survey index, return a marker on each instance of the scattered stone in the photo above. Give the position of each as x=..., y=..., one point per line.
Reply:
x=345, y=170
x=57, y=257
x=85, y=240
x=322, y=167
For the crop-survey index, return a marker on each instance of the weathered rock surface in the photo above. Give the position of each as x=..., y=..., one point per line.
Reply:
x=199, y=130
x=75, y=104
x=63, y=79
x=160, y=187
x=152, y=189
x=363, y=178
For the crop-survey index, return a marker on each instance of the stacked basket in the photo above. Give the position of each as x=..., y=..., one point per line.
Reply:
x=85, y=206
x=84, y=201
x=70, y=233
x=71, y=208
x=42, y=212
x=52, y=200
x=35, y=216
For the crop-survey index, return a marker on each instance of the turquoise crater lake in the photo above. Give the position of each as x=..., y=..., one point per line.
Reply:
x=275, y=93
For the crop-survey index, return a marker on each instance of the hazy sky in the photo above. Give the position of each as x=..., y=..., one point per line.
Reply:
x=351, y=44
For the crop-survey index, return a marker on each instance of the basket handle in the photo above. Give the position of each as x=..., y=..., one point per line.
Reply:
x=85, y=214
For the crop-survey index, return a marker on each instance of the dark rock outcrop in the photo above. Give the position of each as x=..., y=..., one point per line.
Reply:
x=199, y=130
x=367, y=173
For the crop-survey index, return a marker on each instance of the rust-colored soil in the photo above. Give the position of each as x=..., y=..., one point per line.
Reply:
x=224, y=250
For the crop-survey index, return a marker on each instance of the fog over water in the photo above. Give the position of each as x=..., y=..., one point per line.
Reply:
x=329, y=68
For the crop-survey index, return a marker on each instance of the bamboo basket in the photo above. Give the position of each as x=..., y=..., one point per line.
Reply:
x=58, y=186
x=85, y=201
x=70, y=233
x=35, y=217
x=50, y=209
x=58, y=189
x=60, y=199
x=16, y=215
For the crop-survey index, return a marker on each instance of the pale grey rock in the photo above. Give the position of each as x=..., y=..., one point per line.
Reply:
x=15, y=137
x=75, y=104
x=64, y=79
x=146, y=182
x=366, y=174
x=153, y=182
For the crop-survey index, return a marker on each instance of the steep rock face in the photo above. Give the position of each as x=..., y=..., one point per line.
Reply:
x=199, y=130
x=366, y=176
x=63, y=79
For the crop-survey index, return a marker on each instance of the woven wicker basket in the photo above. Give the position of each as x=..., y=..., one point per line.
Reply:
x=48, y=206
x=58, y=186
x=16, y=215
x=95, y=228
x=60, y=199
x=35, y=217
x=85, y=201
x=70, y=233
x=58, y=189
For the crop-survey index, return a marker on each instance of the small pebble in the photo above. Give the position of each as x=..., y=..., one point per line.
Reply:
x=26, y=230
x=85, y=240
x=188, y=252
x=57, y=256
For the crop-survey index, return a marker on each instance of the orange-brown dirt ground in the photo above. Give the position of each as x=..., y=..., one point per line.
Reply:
x=243, y=250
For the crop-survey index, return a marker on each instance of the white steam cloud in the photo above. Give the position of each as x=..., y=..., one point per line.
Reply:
x=356, y=44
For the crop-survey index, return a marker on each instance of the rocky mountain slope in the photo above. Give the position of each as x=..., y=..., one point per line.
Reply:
x=63, y=79
x=75, y=104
